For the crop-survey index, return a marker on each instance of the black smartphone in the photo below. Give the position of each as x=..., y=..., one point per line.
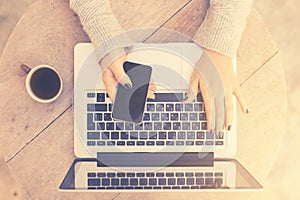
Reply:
x=129, y=104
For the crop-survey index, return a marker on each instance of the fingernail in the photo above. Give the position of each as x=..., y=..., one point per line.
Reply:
x=247, y=111
x=229, y=127
x=128, y=86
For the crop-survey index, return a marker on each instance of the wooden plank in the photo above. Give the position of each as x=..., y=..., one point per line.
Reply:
x=47, y=34
x=260, y=133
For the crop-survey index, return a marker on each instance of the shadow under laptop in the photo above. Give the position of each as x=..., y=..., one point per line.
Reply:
x=158, y=171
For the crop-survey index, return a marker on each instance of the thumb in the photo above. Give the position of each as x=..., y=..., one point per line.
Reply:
x=117, y=69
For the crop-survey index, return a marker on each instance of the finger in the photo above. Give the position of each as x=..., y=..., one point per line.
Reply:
x=219, y=113
x=241, y=98
x=207, y=100
x=110, y=83
x=150, y=95
x=193, y=90
x=229, y=111
x=152, y=87
x=119, y=73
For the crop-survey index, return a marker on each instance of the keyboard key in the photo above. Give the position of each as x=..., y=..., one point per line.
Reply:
x=160, y=143
x=218, y=181
x=120, y=126
x=150, y=174
x=150, y=107
x=218, y=174
x=210, y=135
x=176, y=126
x=166, y=187
x=138, y=127
x=105, y=181
x=199, y=142
x=200, y=135
x=90, y=126
x=120, y=174
x=184, y=116
x=110, y=107
x=140, y=143
x=190, y=181
x=100, y=143
x=209, y=174
x=199, y=181
x=100, y=97
x=101, y=174
x=156, y=187
x=209, y=181
x=91, y=174
x=93, y=182
x=169, y=174
x=189, y=143
x=130, y=174
x=188, y=107
x=186, y=126
x=159, y=174
x=124, y=135
x=180, y=181
x=199, y=97
x=90, y=95
x=209, y=143
x=175, y=187
x=111, y=143
x=164, y=116
x=93, y=135
x=197, y=107
x=195, y=125
x=202, y=116
x=191, y=135
x=110, y=126
x=195, y=187
x=146, y=117
x=140, y=174
x=174, y=116
x=134, y=181
x=152, y=181
x=155, y=116
x=162, y=135
x=179, y=174
x=143, y=181
x=179, y=107
x=114, y=135
x=143, y=135
x=181, y=135
x=157, y=126
x=179, y=143
x=130, y=143
x=171, y=135
x=150, y=143
x=193, y=116
x=100, y=126
x=167, y=126
x=90, y=117
x=114, y=181
x=153, y=135
x=91, y=143
x=147, y=126
x=96, y=107
x=171, y=181
x=124, y=181
x=128, y=126
x=105, y=135
x=107, y=117
x=189, y=174
x=162, y=181
x=134, y=135
x=98, y=117
x=185, y=187
x=219, y=142
x=169, y=107
x=160, y=107
x=170, y=143
x=121, y=143
x=198, y=174
x=111, y=174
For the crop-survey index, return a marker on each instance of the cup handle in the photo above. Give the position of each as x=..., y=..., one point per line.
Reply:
x=25, y=68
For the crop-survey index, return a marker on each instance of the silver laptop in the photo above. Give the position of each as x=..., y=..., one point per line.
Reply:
x=170, y=150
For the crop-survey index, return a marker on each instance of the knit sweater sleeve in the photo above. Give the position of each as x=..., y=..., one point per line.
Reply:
x=101, y=25
x=223, y=25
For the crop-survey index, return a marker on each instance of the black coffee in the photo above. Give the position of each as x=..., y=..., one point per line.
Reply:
x=45, y=83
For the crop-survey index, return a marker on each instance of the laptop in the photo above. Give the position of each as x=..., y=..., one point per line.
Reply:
x=171, y=150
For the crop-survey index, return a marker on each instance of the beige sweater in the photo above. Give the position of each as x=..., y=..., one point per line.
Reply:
x=221, y=30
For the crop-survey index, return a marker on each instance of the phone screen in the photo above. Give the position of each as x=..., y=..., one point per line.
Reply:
x=129, y=104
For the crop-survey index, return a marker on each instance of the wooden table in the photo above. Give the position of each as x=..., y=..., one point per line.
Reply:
x=37, y=139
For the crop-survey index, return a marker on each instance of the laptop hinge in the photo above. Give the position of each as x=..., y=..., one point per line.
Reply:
x=157, y=159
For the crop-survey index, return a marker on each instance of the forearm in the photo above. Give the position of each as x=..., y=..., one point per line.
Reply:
x=223, y=26
x=101, y=25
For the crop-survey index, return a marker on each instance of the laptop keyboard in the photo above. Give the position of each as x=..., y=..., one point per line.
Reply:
x=168, y=180
x=167, y=122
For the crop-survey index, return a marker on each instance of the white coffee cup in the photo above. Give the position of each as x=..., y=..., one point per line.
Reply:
x=43, y=83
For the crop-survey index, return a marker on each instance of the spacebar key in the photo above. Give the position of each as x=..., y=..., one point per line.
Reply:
x=167, y=97
x=96, y=107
